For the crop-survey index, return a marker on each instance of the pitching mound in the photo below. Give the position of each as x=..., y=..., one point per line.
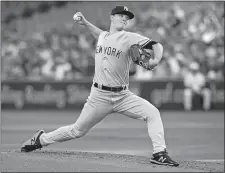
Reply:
x=64, y=161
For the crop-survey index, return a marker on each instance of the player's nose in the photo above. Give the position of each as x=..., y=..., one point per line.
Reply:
x=124, y=17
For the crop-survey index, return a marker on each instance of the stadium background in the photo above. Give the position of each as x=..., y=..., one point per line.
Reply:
x=34, y=33
x=47, y=63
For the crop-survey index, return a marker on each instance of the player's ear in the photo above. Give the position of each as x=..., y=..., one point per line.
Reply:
x=111, y=17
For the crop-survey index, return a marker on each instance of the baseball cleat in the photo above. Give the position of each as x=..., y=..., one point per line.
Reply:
x=33, y=143
x=162, y=158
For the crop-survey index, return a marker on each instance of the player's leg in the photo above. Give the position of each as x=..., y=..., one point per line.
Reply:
x=139, y=108
x=95, y=109
x=187, y=99
x=90, y=116
x=206, y=93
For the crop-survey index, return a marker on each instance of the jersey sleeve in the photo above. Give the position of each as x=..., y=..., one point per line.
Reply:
x=103, y=33
x=135, y=38
x=101, y=36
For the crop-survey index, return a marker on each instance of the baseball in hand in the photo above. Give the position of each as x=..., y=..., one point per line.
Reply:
x=76, y=17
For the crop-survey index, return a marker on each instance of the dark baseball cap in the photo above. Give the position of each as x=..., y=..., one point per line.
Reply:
x=122, y=10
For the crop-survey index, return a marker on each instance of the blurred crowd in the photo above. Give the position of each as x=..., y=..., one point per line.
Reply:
x=60, y=54
x=55, y=55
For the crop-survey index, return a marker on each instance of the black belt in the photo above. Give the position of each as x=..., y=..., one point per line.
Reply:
x=114, y=89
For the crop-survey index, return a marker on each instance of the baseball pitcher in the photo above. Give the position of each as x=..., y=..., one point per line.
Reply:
x=116, y=49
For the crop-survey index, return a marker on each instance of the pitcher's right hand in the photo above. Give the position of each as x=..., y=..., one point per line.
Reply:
x=79, y=18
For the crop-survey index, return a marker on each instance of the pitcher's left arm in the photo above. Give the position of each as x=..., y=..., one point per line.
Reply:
x=157, y=52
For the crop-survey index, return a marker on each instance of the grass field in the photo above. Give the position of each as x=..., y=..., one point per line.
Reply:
x=118, y=143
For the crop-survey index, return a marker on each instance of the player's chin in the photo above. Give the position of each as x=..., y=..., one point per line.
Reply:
x=122, y=27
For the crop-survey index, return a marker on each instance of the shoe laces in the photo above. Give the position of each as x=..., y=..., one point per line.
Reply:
x=163, y=153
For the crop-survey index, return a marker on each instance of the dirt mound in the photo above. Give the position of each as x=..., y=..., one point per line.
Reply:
x=50, y=160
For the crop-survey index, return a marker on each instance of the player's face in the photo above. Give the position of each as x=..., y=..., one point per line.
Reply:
x=119, y=21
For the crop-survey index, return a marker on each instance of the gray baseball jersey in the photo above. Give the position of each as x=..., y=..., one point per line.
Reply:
x=112, y=62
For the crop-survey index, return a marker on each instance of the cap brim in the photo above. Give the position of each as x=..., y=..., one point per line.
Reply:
x=128, y=13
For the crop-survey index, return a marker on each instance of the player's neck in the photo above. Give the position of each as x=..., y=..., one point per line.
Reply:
x=113, y=30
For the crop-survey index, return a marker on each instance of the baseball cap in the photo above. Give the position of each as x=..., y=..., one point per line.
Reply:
x=122, y=10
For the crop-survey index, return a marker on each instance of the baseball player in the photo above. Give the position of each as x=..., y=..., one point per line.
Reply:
x=110, y=90
x=195, y=84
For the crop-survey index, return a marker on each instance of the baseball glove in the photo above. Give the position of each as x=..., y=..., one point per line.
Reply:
x=140, y=56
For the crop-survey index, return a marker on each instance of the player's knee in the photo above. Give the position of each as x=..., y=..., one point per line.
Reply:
x=77, y=133
x=80, y=134
x=154, y=114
